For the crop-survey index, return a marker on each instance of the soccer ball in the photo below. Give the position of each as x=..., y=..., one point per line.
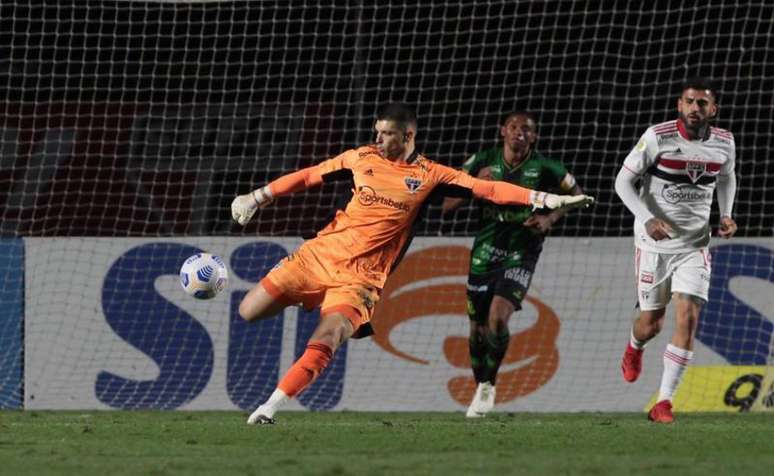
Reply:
x=203, y=275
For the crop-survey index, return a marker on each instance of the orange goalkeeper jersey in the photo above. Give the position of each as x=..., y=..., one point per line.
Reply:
x=366, y=239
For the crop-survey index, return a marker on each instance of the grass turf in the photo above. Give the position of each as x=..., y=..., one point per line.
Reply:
x=340, y=443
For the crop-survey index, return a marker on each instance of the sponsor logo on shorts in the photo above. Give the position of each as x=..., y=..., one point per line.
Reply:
x=367, y=196
x=367, y=298
x=477, y=289
x=470, y=307
x=647, y=278
x=519, y=275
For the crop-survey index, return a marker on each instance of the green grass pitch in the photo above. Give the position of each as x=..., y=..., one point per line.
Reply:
x=345, y=443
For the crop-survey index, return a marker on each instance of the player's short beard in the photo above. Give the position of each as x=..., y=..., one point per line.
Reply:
x=700, y=129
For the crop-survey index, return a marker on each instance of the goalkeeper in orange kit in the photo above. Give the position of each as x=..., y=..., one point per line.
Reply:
x=343, y=270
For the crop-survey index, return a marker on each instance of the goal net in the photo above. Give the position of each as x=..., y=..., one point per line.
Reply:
x=128, y=127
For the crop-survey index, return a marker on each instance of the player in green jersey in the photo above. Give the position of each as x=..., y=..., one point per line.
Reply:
x=507, y=246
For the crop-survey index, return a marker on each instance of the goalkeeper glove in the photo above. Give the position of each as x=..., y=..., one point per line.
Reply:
x=559, y=202
x=244, y=206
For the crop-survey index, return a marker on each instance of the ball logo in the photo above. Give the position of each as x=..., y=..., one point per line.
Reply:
x=205, y=273
x=532, y=357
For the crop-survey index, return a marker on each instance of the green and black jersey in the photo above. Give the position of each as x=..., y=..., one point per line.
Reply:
x=502, y=240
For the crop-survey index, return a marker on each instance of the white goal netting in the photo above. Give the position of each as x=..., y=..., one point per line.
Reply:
x=126, y=128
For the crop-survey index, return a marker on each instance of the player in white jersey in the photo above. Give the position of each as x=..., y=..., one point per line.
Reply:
x=678, y=164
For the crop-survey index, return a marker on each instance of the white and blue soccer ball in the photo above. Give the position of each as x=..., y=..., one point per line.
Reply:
x=203, y=275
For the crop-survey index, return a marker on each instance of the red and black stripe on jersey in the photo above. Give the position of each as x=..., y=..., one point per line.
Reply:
x=678, y=170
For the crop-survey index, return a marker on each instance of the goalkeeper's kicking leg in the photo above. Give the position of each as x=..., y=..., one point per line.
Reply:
x=258, y=304
x=332, y=331
x=346, y=310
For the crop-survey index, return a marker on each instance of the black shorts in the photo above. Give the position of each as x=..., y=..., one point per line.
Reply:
x=509, y=283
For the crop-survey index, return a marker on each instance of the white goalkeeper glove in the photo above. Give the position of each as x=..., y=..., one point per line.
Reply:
x=244, y=206
x=559, y=202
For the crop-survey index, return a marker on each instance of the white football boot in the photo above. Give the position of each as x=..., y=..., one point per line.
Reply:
x=263, y=415
x=483, y=401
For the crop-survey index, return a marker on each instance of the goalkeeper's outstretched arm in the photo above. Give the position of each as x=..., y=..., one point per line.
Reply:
x=504, y=193
x=244, y=206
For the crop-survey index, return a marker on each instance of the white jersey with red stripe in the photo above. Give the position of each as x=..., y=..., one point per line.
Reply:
x=678, y=178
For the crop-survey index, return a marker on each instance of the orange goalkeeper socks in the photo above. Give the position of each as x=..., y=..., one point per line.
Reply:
x=306, y=369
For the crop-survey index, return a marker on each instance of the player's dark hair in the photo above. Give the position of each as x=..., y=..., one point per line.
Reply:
x=529, y=115
x=701, y=83
x=399, y=113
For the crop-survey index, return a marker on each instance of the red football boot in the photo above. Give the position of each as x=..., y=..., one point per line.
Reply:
x=631, y=364
x=661, y=412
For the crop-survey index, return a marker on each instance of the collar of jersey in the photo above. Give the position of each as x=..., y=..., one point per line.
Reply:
x=684, y=133
x=411, y=161
x=516, y=167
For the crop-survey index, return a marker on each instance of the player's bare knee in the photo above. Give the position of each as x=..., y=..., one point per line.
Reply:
x=330, y=339
x=499, y=313
x=650, y=323
x=688, y=304
x=498, y=323
x=333, y=330
x=333, y=336
x=246, y=311
x=658, y=326
x=477, y=330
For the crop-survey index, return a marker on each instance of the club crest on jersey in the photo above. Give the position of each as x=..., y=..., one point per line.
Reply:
x=412, y=183
x=694, y=170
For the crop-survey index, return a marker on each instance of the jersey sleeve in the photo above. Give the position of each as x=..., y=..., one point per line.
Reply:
x=501, y=193
x=726, y=186
x=559, y=177
x=344, y=161
x=728, y=167
x=314, y=175
x=442, y=175
x=643, y=155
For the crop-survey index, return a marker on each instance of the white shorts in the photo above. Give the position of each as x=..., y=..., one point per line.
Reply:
x=659, y=275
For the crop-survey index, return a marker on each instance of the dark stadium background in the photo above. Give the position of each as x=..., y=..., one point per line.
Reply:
x=146, y=84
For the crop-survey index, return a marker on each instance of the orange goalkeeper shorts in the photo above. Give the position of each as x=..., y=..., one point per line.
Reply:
x=306, y=278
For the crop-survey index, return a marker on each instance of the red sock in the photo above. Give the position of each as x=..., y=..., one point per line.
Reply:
x=306, y=369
